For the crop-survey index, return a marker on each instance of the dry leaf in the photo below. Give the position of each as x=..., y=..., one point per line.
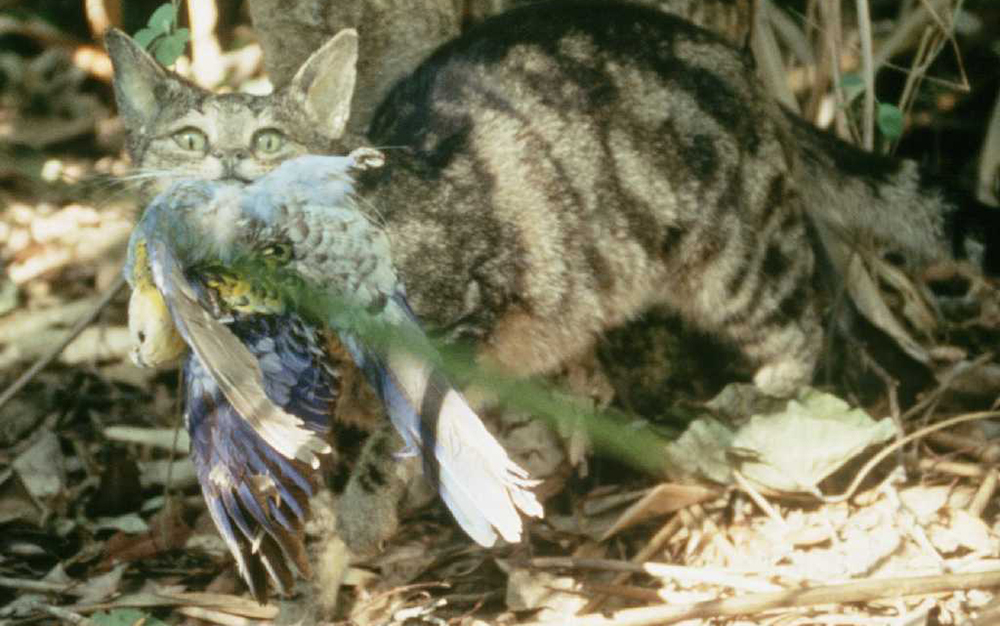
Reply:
x=555, y=597
x=794, y=450
x=660, y=500
x=42, y=468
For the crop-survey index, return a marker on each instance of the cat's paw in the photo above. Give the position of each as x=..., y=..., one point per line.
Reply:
x=782, y=378
x=368, y=509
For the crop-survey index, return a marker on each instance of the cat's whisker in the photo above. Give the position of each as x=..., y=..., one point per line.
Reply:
x=386, y=148
x=123, y=182
x=370, y=209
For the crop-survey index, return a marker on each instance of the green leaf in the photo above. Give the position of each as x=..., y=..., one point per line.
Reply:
x=145, y=36
x=163, y=19
x=852, y=85
x=125, y=617
x=170, y=48
x=890, y=121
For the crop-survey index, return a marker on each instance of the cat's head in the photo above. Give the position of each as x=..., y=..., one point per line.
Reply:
x=179, y=130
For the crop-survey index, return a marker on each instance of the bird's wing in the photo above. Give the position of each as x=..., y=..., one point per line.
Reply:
x=344, y=256
x=231, y=364
x=255, y=447
x=256, y=496
x=259, y=498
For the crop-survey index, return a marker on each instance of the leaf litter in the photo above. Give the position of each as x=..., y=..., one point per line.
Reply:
x=103, y=523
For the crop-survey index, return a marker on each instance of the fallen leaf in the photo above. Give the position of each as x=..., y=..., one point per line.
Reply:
x=701, y=451
x=555, y=597
x=42, y=468
x=100, y=587
x=15, y=501
x=660, y=500
x=795, y=449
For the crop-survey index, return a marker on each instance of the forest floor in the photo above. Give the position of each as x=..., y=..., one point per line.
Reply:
x=889, y=516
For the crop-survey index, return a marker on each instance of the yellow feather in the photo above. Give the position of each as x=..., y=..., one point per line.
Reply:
x=156, y=338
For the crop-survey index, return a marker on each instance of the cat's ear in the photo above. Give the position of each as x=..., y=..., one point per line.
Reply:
x=324, y=85
x=141, y=84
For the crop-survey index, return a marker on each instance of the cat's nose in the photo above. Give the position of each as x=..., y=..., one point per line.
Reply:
x=231, y=155
x=231, y=161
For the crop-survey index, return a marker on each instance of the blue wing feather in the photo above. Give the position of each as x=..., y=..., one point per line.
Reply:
x=258, y=497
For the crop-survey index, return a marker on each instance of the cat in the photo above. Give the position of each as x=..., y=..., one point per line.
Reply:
x=511, y=234
x=559, y=170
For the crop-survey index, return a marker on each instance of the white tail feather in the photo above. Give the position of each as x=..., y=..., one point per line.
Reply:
x=482, y=486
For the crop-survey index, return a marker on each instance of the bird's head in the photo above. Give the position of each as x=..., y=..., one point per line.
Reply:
x=154, y=336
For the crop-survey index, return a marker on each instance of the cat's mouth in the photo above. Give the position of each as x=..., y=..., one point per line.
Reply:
x=232, y=178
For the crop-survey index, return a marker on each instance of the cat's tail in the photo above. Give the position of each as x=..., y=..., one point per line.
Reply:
x=890, y=204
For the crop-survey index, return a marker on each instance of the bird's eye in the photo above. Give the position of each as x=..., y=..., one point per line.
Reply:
x=191, y=139
x=268, y=141
x=281, y=252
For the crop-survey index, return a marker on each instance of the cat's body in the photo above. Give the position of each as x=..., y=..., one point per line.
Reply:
x=636, y=166
x=560, y=170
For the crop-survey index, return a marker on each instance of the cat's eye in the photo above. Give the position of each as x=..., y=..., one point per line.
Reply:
x=191, y=139
x=268, y=141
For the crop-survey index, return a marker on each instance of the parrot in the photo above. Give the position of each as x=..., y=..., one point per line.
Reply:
x=268, y=290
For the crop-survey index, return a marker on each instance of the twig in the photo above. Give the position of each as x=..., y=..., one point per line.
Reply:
x=927, y=50
x=948, y=30
x=861, y=591
x=213, y=616
x=904, y=33
x=161, y=438
x=832, y=32
x=868, y=74
x=38, y=586
x=64, y=616
x=878, y=458
x=655, y=544
x=986, y=452
x=663, y=571
x=984, y=495
x=945, y=384
x=954, y=468
x=622, y=591
x=989, y=160
x=759, y=500
x=47, y=359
